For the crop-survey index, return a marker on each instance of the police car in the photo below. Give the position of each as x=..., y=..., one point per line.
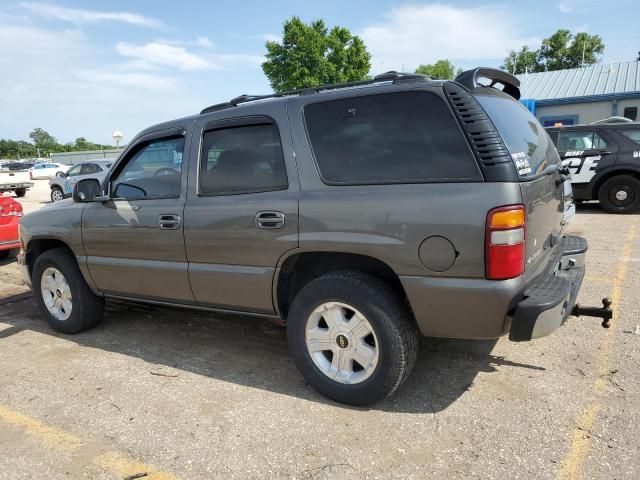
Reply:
x=604, y=162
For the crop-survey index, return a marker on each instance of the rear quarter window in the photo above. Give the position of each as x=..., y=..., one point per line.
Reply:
x=404, y=137
x=527, y=141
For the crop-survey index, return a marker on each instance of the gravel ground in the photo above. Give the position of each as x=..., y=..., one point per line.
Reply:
x=183, y=394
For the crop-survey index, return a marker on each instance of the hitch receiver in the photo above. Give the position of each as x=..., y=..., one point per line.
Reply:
x=604, y=312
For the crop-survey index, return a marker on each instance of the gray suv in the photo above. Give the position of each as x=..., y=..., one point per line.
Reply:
x=360, y=215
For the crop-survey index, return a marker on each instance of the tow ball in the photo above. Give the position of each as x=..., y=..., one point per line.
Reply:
x=604, y=312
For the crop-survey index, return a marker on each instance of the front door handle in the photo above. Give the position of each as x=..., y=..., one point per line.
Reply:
x=169, y=221
x=270, y=220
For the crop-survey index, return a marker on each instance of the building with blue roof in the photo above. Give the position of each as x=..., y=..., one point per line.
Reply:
x=583, y=95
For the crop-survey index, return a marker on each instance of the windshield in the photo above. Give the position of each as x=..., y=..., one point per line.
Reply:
x=529, y=144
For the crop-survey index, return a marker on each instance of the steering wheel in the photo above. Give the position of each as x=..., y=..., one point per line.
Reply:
x=166, y=171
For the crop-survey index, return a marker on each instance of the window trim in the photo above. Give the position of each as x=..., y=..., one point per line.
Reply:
x=475, y=179
x=133, y=150
x=237, y=122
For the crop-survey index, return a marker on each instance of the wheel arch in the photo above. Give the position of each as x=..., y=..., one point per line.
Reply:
x=612, y=172
x=299, y=268
x=37, y=246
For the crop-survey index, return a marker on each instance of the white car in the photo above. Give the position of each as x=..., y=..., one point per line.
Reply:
x=47, y=170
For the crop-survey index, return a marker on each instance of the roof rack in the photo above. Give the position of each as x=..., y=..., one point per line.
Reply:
x=391, y=76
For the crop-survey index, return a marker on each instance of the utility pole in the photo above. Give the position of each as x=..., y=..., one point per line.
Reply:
x=515, y=62
x=584, y=47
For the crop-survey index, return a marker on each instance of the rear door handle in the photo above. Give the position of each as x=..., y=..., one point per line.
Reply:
x=169, y=221
x=270, y=220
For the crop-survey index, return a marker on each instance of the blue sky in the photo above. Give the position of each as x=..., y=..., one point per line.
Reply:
x=87, y=68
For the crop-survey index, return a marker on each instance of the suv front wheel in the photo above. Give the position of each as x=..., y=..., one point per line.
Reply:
x=65, y=299
x=352, y=337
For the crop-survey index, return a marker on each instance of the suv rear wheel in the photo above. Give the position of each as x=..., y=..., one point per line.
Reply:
x=620, y=194
x=66, y=301
x=352, y=337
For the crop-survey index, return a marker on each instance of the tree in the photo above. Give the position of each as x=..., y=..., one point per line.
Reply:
x=42, y=138
x=441, y=70
x=561, y=50
x=522, y=61
x=565, y=50
x=311, y=55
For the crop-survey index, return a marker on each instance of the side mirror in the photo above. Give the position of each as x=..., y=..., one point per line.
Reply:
x=61, y=174
x=87, y=190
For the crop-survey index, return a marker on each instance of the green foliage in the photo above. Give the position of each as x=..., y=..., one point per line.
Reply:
x=561, y=50
x=43, y=144
x=311, y=55
x=524, y=60
x=441, y=70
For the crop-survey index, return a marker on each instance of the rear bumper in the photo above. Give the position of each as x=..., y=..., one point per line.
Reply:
x=6, y=187
x=476, y=308
x=549, y=300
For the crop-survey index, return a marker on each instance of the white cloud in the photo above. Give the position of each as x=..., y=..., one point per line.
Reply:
x=133, y=79
x=416, y=34
x=77, y=15
x=156, y=53
x=200, y=41
x=565, y=6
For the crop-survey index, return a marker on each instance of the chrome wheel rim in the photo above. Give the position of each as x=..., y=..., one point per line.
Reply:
x=56, y=293
x=56, y=195
x=341, y=342
x=621, y=195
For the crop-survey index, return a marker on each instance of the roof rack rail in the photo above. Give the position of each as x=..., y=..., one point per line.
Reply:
x=391, y=76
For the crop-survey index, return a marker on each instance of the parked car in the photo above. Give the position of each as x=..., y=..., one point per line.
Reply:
x=604, y=162
x=62, y=184
x=410, y=207
x=10, y=213
x=16, y=181
x=47, y=170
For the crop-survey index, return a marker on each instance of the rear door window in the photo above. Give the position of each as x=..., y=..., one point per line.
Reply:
x=528, y=142
x=580, y=140
x=633, y=135
x=405, y=137
x=242, y=159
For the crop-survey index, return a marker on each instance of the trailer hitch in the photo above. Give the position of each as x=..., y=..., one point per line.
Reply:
x=604, y=312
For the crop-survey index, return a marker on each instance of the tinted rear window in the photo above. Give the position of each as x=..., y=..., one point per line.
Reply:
x=632, y=134
x=405, y=137
x=528, y=142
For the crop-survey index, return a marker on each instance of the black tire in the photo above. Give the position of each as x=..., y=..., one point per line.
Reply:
x=21, y=192
x=388, y=315
x=611, y=191
x=8, y=254
x=57, y=191
x=87, y=308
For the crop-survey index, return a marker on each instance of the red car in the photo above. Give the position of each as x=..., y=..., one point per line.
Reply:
x=10, y=213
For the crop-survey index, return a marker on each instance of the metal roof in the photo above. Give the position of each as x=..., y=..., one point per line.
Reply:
x=607, y=79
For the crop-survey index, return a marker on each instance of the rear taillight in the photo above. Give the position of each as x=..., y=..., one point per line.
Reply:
x=11, y=209
x=505, y=242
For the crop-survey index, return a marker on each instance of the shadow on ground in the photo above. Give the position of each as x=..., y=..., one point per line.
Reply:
x=253, y=352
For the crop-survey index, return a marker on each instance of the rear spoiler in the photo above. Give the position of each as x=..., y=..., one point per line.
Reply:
x=510, y=84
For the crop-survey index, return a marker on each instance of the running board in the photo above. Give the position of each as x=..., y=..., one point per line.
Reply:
x=604, y=312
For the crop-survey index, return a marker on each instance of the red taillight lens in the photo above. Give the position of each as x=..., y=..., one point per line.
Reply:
x=10, y=209
x=505, y=245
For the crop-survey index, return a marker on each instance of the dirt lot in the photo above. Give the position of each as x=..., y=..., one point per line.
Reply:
x=182, y=394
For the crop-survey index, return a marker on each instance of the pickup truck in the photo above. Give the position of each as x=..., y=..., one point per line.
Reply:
x=16, y=181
